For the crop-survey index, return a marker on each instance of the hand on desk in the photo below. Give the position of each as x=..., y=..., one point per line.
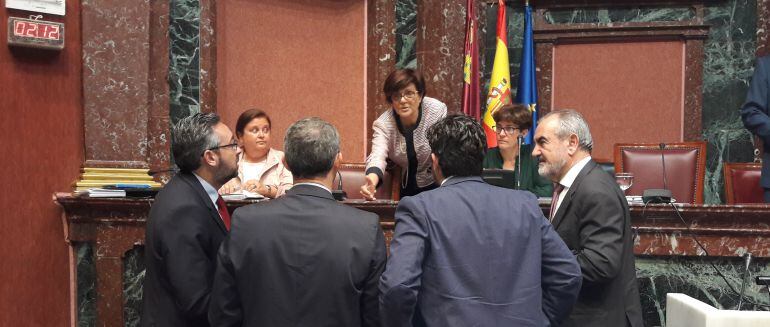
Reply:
x=233, y=186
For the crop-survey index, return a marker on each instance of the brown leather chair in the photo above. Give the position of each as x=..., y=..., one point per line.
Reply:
x=685, y=168
x=742, y=183
x=353, y=177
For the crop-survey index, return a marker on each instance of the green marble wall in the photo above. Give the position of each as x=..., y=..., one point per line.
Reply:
x=696, y=277
x=406, y=29
x=184, y=55
x=86, y=284
x=133, y=282
x=727, y=68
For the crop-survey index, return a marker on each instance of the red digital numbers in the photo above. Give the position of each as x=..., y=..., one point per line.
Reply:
x=36, y=30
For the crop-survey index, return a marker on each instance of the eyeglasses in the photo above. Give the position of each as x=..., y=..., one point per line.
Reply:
x=233, y=146
x=508, y=130
x=409, y=95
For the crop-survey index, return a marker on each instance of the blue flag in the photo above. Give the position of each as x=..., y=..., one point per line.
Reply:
x=527, y=91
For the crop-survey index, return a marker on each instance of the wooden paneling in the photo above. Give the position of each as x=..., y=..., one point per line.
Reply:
x=41, y=128
x=303, y=58
x=627, y=91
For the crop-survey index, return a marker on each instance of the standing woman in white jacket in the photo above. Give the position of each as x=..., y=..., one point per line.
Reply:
x=399, y=135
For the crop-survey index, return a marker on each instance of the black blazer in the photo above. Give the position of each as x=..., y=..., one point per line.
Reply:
x=595, y=222
x=183, y=234
x=300, y=260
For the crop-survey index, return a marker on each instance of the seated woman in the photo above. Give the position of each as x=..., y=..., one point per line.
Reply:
x=400, y=134
x=512, y=121
x=260, y=168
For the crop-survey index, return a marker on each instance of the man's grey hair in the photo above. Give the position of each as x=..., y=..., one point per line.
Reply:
x=572, y=122
x=191, y=137
x=310, y=146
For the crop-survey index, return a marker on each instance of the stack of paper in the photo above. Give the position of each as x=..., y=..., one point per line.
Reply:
x=242, y=195
x=106, y=193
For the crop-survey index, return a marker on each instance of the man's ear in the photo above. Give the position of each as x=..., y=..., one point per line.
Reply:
x=338, y=161
x=210, y=158
x=573, y=145
x=434, y=159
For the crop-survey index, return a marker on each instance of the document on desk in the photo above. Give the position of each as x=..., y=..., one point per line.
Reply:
x=242, y=195
x=106, y=193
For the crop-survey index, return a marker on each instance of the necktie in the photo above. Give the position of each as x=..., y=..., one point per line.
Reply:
x=557, y=188
x=222, y=207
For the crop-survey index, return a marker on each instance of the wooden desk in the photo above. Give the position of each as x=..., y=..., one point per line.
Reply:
x=115, y=226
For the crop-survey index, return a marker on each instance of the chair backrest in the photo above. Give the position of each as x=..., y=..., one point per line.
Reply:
x=685, y=168
x=742, y=182
x=353, y=177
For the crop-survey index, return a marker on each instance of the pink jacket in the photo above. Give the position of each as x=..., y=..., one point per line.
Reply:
x=275, y=173
x=388, y=143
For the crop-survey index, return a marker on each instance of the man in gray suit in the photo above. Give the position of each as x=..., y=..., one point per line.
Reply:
x=302, y=259
x=472, y=254
x=591, y=214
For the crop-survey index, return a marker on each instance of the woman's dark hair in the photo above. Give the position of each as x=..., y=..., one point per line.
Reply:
x=401, y=78
x=246, y=117
x=460, y=144
x=518, y=114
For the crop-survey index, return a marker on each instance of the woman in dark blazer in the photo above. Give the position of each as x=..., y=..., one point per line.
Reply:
x=512, y=121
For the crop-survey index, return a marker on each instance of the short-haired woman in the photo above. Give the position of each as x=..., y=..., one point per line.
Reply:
x=400, y=134
x=512, y=121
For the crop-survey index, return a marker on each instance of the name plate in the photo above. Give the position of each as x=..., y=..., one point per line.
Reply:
x=30, y=33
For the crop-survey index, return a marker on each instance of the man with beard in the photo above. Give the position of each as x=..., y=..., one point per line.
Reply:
x=187, y=223
x=591, y=215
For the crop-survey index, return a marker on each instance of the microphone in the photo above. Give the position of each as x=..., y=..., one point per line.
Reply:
x=657, y=195
x=747, y=260
x=339, y=194
x=519, y=140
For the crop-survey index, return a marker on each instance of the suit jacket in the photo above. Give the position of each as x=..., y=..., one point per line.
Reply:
x=594, y=221
x=300, y=260
x=755, y=115
x=183, y=234
x=472, y=254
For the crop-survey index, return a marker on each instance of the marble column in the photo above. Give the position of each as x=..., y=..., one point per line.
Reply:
x=380, y=57
x=440, y=42
x=115, y=82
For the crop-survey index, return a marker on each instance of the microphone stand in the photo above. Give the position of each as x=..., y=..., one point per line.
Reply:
x=518, y=160
x=339, y=194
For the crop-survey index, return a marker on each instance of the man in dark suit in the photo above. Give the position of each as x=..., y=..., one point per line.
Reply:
x=187, y=223
x=472, y=254
x=591, y=214
x=302, y=259
x=756, y=116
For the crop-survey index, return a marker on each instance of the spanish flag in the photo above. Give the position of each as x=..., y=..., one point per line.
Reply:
x=500, y=83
